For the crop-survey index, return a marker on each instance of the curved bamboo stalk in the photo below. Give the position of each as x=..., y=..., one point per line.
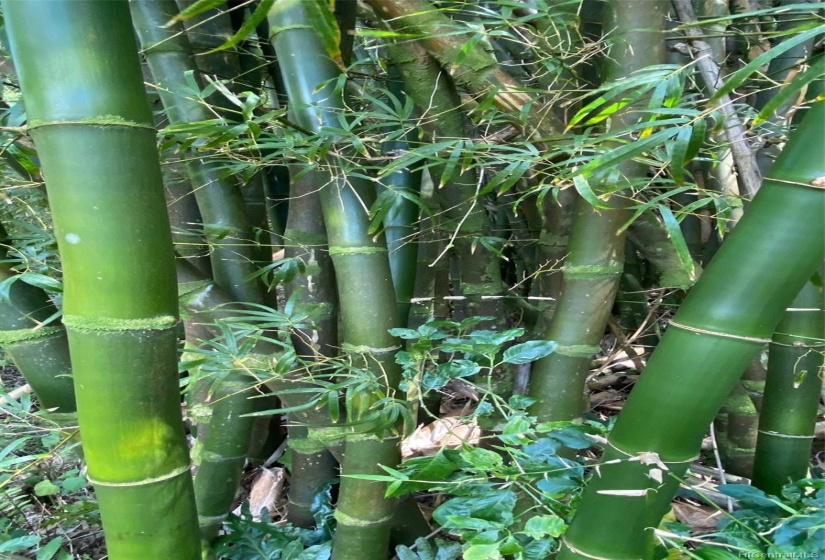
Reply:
x=792, y=391
x=597, y=241
x=366, y=294
x=719, y=328
x=169, y=56
x=92, y=127
x=40, y=350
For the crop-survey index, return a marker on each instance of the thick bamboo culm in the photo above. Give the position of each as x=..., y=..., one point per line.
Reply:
x=92, y=126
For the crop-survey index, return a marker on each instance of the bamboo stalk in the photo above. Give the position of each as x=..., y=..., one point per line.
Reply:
x=39, y=350
x=92, y=126
x=597, y=240
x=660, y=428
x=366, y=294
x=792, y=392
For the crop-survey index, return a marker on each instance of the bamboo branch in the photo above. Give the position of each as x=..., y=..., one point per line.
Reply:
x=743, y=155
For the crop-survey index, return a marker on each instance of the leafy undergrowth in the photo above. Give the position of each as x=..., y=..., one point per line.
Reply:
x=510, y=496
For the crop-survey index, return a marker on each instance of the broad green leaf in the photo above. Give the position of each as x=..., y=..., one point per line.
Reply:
x=46, y=488
x=483, y=552
x=556, y=486
x=541, y=526
x=447, y=550
x=321, y=551
x=530, y=351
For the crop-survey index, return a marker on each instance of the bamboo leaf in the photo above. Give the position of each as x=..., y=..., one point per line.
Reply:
x=530, y=351
x=587, y=193
x=678, y=239
x=626, y=152
x=195, y=9
x=678, y=154
x=738, y=78
x=790, y=90
x=248, y=27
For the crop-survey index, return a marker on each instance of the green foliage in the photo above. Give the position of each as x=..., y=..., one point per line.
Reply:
x=786, y=525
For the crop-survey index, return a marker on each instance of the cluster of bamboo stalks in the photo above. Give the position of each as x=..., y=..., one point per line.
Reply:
x=113, y=356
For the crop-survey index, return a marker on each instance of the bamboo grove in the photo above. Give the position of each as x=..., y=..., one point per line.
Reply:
x=322, y=218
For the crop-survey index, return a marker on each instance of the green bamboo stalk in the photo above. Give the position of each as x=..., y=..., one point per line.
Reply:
x=39, y=349
x=366, y=294
x=597, y=240
x=792, y=391
x=92, y=126
x=400, y=226
x=720, y=329
x=313, y=466
x=471, y=67
x=222, y=451
x=169, y=57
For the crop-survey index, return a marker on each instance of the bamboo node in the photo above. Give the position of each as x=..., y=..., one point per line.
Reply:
x=145, y=482
x=698, y=330
x=576, y=350
x=785, y=436
x=345, y=519
x=22, y=336
x=367, y=250
x=580, y=552
x=112, y=324
x=593, y=270
x=816, y=183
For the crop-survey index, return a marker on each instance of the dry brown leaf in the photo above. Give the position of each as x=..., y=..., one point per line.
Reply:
x=266, y=491
x=700, y=518
x=448, y=432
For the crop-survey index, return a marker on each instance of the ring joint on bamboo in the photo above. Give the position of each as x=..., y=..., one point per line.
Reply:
x=698, y=330
x=785, y=436
x=575, y=550
x=145, y=482
x=638, y=454
x=816, y=183
x=344, y=251
x=349, y=520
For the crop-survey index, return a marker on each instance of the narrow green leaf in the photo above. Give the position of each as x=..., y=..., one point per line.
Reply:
x=51, y=548
x=790, y=90
x=678, y=239
x=195, y=9
x=738, y=78
x=678, y=154
x=583, y=188
x=248, y=27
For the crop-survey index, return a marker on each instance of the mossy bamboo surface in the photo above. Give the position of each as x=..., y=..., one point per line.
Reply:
x=709, y=343
x=92, y=126
x=366, y=295
x=594, y=265
x=792, y=391
x=40, y=350
x=169, y=56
